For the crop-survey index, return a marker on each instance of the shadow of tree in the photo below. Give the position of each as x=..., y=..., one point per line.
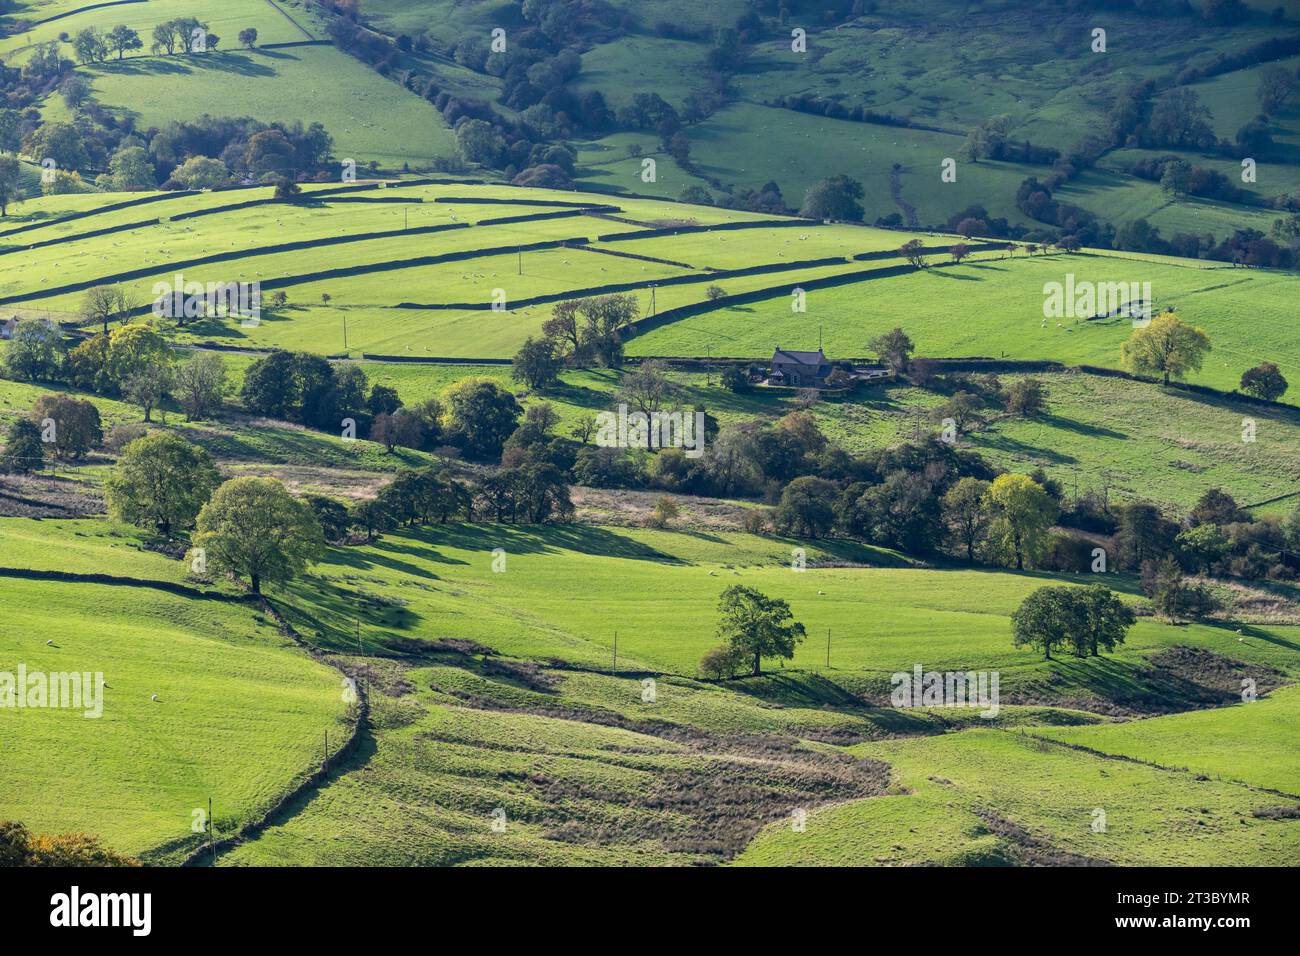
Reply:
x=182, y=64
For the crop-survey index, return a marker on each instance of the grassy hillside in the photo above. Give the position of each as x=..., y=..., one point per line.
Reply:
x=240, y=714
x=370, y=117
x=658, y=587
x=985, y=797
x=534, y=693
x=995, y=309
x=498, y=692
x=577, y=759
x=415, y=249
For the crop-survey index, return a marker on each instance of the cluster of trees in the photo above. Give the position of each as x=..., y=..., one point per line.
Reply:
x=1180, y=178
x=475, y=414
x=132, y=361
x=1085, y=620
x=975, y=220
x=180, y=35
x=57, y=427
x=92, y=45
x=1035, y=200
x=23, y=88
x=309, y=389
x=206, y=153
x=581, y=333
x=250, y=527
x=992, y=140
x=1247, y=247
x=533, y=492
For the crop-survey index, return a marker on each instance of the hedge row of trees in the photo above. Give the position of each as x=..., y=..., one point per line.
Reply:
x=132, y=361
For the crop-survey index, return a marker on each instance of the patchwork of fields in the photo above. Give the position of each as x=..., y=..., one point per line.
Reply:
x=438, y=686
x=416, y=275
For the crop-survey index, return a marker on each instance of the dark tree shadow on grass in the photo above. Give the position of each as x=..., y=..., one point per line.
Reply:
x=181, y=64
x=938, y=271
x=1012, y=446
x=521, y=539
x=1080, y=428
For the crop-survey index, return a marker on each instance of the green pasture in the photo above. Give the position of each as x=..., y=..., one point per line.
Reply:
x=1119, y=198
x=240, y=714
x=1053, y=795
x=225, y=19
x=748, y=145
x=656, y=590
x=995, y=309
x=1251, y=743
x=370, y=117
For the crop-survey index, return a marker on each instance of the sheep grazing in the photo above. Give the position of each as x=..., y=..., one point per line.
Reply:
x=51, y=643
x=154, y=697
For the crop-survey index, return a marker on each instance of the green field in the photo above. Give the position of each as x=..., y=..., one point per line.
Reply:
x=574, y=729
x=995, y=310
x=374, y=120
x=537, y=694
x=240, y=714
x=989, y=308
x=964, y=788
x=580, y=762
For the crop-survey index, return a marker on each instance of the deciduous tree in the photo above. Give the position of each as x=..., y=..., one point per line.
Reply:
x=1167, y=347
x=757, y=626
x=255, y=528
x=161, y=481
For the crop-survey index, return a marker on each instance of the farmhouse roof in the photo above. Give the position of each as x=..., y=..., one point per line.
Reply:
x=800, y=358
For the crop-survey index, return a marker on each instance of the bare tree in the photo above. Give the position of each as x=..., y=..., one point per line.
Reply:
x=107, y=303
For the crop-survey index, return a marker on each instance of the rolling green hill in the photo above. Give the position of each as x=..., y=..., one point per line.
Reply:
x=537, y=694
x=239, y=714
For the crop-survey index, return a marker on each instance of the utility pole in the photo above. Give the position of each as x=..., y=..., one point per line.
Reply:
x=828, y=647
x=652, y=299
x=708, y=363
x=345, y=331
x=211, y=843
x=615, y=669
x=325, y=757
x=520, y=252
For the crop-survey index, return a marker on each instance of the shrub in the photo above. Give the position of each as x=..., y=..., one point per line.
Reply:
x=721, y=662
x=665, y=511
